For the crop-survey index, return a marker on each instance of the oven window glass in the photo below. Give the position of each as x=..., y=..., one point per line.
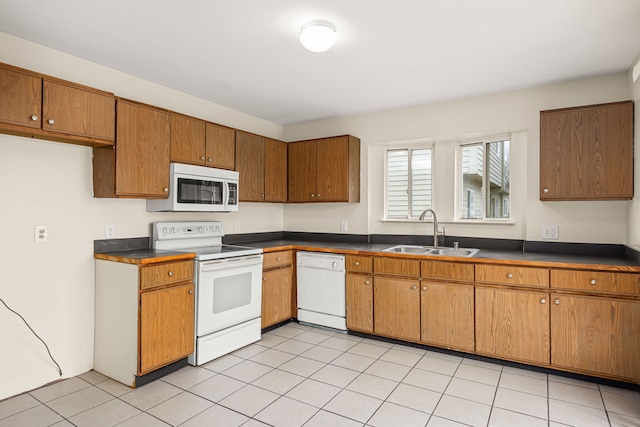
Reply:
x=231, y=292
x=200, y=192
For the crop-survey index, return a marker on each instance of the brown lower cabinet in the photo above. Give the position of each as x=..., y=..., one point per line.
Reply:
x=513, y=324
x=144, y=316
x=277, y=288
x=359, y=300
x=596, y=335
x=397, y=308
x=447, y=315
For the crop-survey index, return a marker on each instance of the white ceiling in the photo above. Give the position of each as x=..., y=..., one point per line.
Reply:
x=245, y=54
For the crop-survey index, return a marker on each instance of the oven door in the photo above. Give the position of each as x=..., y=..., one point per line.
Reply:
x=228, y=292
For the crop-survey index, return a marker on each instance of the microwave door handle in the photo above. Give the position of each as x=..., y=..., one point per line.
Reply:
x=226, y=194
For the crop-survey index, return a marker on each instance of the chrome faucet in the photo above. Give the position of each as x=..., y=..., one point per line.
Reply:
x=435, y=225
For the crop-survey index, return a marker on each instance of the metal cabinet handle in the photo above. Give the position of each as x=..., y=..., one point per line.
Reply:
x=264, y=279
x=357, y=263
x=278, y=259
x=201, y=157
x=545, y=191
x=171, y=274
x=318, y=196
x=34, y=118
x=210, y=160
x=593, y=281
x=366, y=282
x=414, y=287
x=51, y=121
x=510, y=275
x=190, y=291
x=543, y=301
x=313, y=195
x=165, y=189
x=268, y=195
x=557, y=302
x=424, y=288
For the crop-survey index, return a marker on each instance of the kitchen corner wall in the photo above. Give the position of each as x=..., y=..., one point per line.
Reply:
x=633, y=214
x=445, y=123
x=50, y=183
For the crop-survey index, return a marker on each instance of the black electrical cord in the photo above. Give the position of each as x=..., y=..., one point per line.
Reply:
x=34, y=333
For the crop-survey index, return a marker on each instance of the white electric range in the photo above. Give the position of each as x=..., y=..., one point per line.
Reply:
x=228, y=283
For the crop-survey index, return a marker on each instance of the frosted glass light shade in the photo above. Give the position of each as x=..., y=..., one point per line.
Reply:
x=318, y=36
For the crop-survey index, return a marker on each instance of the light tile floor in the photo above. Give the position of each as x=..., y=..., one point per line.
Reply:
x=301, y=376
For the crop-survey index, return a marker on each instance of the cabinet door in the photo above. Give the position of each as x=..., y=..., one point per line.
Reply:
x=187, y=140
x=275, y=170
x=166, y=326
x=333, y=170
x=359, y=299
x=220, y=147
x=447, y=315
x=397, y=308
x=76, y=111
x=20, y=98
x=513, y=324
x=276, y=296
x=596, y=335
x=142, y=155
x=302, y=171
x=586, y=153
x=250, y=166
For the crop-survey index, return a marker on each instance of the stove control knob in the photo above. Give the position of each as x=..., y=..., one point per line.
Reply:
x=173, y=230
x=212, y=229
x=217, y=228
x=165, y=230
x=201, y=229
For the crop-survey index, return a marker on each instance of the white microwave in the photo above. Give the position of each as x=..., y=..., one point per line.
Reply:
x=198, y=189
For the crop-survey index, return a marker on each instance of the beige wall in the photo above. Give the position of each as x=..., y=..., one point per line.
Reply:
x=633, y=214
x=49, y=183
x=516, y=112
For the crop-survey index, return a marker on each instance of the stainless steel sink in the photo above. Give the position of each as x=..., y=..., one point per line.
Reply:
x=430, y=250
x=408, y=249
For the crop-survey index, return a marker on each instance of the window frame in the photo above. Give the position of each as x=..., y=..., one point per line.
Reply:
x=411, y=147
x=459, y=205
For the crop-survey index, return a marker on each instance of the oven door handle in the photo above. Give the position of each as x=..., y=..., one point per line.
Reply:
x=226, y=263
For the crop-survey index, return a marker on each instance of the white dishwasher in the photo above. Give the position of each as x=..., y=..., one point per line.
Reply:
x=321, y=289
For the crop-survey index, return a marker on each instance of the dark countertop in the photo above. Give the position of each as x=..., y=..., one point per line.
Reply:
x=483, y=256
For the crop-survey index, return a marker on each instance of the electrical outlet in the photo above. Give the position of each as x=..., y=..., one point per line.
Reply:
x=110, y=231
x=40, y=234
x=344, y=226
x=236, y=226
x=550, y=232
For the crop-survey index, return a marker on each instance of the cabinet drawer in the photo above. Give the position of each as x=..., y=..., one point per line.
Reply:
x=396, y=267
x=164, y=274
x=359, y=263
x=277, y=259
x=596, y=281
x=513, y=275
x=447, y=270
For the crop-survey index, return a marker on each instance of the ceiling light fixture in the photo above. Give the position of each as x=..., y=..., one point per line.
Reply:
x=318, y=35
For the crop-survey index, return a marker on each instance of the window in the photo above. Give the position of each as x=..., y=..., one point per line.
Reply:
x=409, y=182
x=485, y=179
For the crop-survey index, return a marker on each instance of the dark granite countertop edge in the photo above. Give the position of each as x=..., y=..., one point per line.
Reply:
x=538, y=258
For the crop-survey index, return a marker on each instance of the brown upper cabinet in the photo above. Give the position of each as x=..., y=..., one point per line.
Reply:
x=46, y=108
x=262, y=165
x=201, y=143
x=586, y=153
x=325, y=170
x=139, y=164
